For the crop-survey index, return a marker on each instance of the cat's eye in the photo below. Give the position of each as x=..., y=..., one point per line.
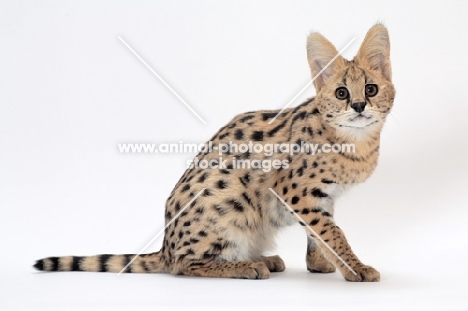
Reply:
x=371, y=90
x=342, y=93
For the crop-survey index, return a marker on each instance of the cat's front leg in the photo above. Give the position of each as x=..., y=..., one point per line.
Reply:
x=339, y=252
x=315, y=260
x=320, y=225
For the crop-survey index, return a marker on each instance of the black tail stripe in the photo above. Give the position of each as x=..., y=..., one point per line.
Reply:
x=55, y=263
x=39, y=265
x=127, y=259
x=76, y=263
x=103, y=259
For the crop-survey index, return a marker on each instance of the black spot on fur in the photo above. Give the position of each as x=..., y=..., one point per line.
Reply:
x=316, y=192
x=222, y=184
x=300, y=171
x=257, y=135
x=277, y=128
x=221, y=210
x=245, y=155
x=185, y=188
x=239, y=134
x=295, y=199
x=217, y=247
x=247, y=198
x=268, y=115
x=246, y=118
x=243, y=182
x=314, y=221
x=245, y=179
x=237, y=206
x=301, y=116
x=222, y=136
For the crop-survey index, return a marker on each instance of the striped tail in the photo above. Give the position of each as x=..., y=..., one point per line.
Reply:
x=147, y=263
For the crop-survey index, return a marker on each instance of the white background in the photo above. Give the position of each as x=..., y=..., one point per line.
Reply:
x=70, y=91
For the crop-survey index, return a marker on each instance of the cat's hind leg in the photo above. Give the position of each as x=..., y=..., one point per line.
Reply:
x=224, y=269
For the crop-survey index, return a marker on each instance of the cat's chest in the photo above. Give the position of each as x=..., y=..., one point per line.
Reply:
x=279, y=214
x=331, y=193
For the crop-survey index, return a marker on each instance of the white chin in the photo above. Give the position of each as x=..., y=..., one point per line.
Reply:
x=360, y=123
x=358, y=129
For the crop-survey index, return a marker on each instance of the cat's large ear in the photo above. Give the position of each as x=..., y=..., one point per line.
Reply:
x=320, y=52
x=374, y=52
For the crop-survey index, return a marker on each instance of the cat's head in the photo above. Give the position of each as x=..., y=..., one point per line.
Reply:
x=354, y=97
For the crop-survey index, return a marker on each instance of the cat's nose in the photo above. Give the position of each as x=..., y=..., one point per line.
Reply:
x=358, y=107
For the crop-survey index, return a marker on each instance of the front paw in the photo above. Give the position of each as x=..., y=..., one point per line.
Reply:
x=323, y=266
x=363, y=274
x=274, y=263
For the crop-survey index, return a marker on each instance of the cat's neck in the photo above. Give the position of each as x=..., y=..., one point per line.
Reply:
x=365, y=144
